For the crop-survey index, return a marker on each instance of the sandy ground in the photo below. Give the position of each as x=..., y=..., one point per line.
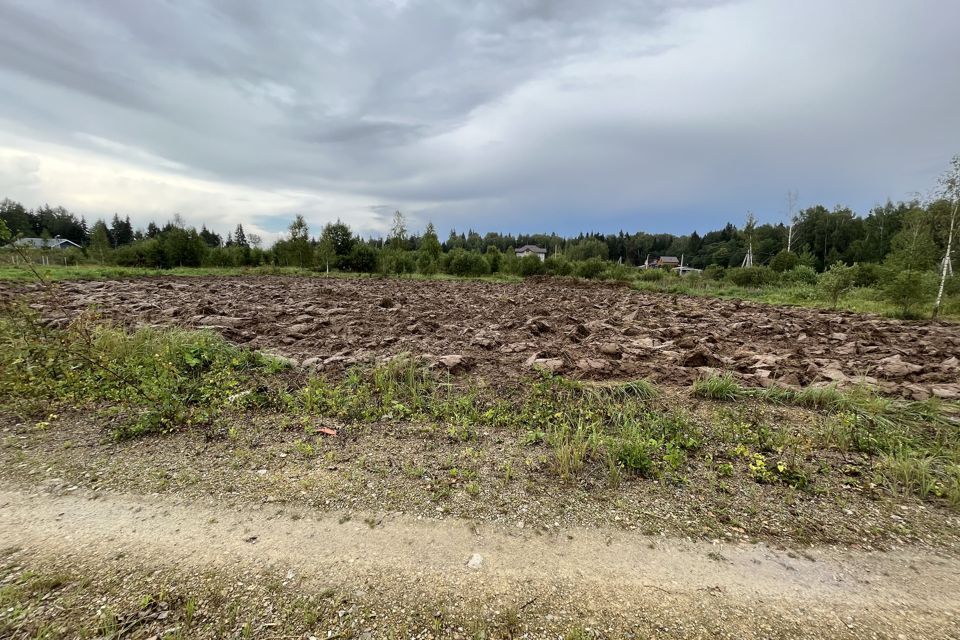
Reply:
x=614, y=579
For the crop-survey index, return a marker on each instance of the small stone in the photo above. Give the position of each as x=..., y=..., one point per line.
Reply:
x=611, y=349
x=475, y=561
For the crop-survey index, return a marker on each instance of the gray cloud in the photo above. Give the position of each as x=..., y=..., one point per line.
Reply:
x=520, y=115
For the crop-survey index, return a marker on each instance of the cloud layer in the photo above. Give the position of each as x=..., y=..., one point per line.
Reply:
x=512, y=115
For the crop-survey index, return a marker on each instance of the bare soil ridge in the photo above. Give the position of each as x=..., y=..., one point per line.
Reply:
x=504, y=330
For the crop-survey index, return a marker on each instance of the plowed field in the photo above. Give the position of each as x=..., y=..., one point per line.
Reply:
x=503, y=331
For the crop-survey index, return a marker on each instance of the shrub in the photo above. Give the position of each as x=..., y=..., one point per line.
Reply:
x=362, y=258
x=909, y=289
x=468, y=264
x=784, y=261
x=591, y=268
x=867, y=274
x=801, y=274
x=494, y=259
x=530, y=266
x=651, y=275
x=617, y=272
x=397, y=262
x=557, y=265
x=426, y=264
x=751, y=276
x=836, y=281
x=714, y=272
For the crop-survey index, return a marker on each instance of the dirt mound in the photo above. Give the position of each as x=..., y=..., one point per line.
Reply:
x=505, y=331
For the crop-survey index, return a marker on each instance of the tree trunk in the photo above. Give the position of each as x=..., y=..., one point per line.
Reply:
x=946, y=257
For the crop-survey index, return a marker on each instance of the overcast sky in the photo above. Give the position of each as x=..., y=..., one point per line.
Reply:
x=510, y=115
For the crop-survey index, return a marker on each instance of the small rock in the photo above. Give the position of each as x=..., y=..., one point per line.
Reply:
x=611, y=349
x=475, y=561
x=454, y=362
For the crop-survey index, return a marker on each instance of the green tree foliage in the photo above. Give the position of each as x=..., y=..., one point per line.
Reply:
x=467, y=263
x=836, y=281
x=398, y=232
x=588, y=248
x=55, y=221
x=295, y=251
x=240, y=238
x=361, y=259
x=914, y=247
x=340, y=238
x=430, y=243
x=15, y=217
x=326, y=253
x=908, y=290
x=784, y=261
x=100, y=241
x=210, y=238
x=751, y=276
x=530, y=266
x=121, y=231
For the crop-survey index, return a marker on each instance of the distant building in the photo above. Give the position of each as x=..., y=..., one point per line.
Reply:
x=532, y=250
x=668, y=262
x=53, y=243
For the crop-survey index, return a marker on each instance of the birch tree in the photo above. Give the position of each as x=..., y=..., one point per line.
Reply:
x=949, y=190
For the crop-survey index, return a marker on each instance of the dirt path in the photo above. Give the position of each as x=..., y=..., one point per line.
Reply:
x=743, y=591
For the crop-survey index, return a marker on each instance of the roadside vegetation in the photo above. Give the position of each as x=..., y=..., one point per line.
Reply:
x=150, y=382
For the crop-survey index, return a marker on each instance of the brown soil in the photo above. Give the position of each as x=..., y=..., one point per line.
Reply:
x=502, y=331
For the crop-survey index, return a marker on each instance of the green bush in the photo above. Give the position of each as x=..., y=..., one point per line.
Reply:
x=468, y=264
x=714, y=272
x=530, y=266
x=908, y=290
x=751, y=276
x=868, y=274
x=619, y=272
x=362, y=259
x=784, y=261
x=591, y=268
x=557, y=265
x=651, y=275
x=494, y=259
x=426, y=264
x=801, y=274
x=836, y=281
x=397, y=262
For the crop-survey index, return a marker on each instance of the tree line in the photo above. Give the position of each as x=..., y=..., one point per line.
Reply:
x=816, y=236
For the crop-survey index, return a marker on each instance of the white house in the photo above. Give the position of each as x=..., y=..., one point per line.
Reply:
x=531, y=250
x=53, y=243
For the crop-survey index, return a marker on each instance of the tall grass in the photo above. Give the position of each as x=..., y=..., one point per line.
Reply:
x=157, y=379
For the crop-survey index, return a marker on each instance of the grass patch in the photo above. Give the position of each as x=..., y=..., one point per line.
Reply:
x=148, y=381
x=718, y=387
